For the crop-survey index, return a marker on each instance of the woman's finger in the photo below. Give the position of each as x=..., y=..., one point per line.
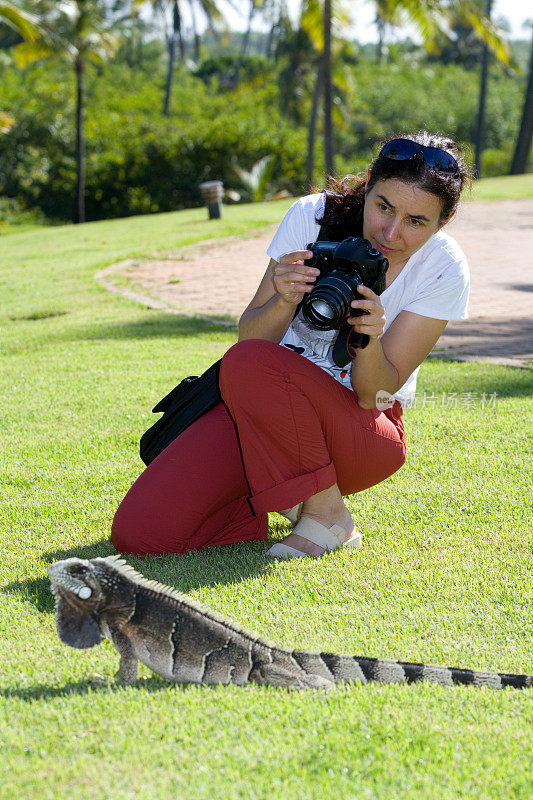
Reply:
x=366, y=292
x=297, y=255
x=369, y=305
x=296, y=268
x=299, y=280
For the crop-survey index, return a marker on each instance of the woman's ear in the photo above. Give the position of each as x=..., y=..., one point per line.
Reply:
x=444, y=222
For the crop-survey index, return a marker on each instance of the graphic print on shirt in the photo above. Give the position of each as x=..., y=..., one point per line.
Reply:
x=316, y=346
x=299, y=350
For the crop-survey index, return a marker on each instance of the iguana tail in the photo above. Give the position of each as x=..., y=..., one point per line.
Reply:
x=356, y=668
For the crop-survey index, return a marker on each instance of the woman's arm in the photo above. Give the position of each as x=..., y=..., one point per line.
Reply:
x=388, y=359
x=282, y=287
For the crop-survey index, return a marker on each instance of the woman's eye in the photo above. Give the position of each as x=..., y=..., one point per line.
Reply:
x=416, y=222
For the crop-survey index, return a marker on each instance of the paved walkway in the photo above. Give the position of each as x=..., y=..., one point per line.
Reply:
x=496, y=236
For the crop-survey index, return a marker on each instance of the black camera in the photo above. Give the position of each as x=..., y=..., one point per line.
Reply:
x=343, y=267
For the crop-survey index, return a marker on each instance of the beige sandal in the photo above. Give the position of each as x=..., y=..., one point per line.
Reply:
x=329, y=538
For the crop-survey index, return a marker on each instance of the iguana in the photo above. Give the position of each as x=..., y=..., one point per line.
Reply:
x=182, y=641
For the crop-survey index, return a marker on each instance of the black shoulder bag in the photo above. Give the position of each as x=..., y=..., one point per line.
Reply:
x=186, y=403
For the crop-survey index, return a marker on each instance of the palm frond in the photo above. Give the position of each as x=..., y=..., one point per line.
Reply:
x=21, y=21
x=256, y=179
x=312, y=23
x=28, y=52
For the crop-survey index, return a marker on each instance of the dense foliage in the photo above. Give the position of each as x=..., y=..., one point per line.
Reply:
x=139, y=161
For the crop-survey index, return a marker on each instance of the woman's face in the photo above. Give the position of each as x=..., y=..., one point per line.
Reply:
x=399, y=218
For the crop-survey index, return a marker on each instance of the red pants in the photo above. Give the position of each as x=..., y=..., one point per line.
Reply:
x=284, y=431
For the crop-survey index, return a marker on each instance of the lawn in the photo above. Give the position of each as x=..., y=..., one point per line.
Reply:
x=444, y=574
x=507, y=187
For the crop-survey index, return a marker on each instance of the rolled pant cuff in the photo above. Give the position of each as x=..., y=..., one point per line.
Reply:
x=296, y=490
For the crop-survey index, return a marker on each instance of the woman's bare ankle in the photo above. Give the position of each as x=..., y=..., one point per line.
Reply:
x=327, y=507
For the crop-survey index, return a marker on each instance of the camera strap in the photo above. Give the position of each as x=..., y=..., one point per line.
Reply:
x=347, y=343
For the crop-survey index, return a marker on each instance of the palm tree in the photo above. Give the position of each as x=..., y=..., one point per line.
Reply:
x=275, y=14
x=132, y=29
x=426, y=16
x=328, y=90
x=525, y=133
x=254, y=6
x=170, y=12
x=386, y=15
x=79, y=31
x=480, y=125
x=317, y=20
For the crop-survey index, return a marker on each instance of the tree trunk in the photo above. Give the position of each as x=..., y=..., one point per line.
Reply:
x=269, y=43
x=328, y=122
x=80, y=141
x=129, y=49
x=525, y=134
x=196, y=35
x=176, y=29
x=380, y=46
x=480, y=127
x=176, y=23
x=246, y=37
x=170, y=71
x=311, y=130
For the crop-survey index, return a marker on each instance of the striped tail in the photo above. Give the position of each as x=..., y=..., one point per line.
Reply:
x=356, y=668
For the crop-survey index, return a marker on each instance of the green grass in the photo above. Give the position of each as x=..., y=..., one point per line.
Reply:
x=444, y=574
x=506, y=187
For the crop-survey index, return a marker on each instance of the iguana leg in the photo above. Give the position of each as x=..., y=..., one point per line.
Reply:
x=127, y=671
x=276, y=675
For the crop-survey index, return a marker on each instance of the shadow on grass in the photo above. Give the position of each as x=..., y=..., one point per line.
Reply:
x=91, y=686
x=155, y=324
x=37, y=590
x=221, y=565
x=456, y=376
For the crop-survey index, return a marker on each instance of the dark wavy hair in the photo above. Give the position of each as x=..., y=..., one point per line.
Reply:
x=345, y=199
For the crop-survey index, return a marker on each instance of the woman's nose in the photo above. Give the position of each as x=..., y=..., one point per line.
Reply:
x=391, y=229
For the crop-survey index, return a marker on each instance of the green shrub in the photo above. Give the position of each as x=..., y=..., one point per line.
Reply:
x=14, y=215
x=221, y=71
x=139, y=161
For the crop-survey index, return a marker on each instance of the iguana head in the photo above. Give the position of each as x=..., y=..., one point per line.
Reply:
x=78, y=595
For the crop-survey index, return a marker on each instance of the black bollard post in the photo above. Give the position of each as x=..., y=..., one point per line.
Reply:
x=212, y=192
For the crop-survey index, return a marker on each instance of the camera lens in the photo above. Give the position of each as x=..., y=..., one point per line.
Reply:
x=322, y=309
x=328, y=304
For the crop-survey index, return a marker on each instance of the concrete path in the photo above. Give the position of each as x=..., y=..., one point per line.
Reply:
x=219, y=279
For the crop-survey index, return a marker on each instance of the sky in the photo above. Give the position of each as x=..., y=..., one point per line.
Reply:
x=516, y=12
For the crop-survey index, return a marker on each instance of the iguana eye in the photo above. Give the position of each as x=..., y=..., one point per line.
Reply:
x=77, y=569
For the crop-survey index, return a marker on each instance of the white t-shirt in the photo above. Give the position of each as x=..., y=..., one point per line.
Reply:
x=434, y=283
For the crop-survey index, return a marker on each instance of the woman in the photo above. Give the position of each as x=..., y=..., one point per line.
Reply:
x=295, y=433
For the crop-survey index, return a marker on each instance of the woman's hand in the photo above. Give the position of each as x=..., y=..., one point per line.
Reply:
x=372, y=322
x=292, y=278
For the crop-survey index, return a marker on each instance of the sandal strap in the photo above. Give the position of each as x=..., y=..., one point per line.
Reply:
x=280, y=550
x=329, y=538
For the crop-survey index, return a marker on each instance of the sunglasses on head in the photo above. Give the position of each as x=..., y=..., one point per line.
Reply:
x=434, y=157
